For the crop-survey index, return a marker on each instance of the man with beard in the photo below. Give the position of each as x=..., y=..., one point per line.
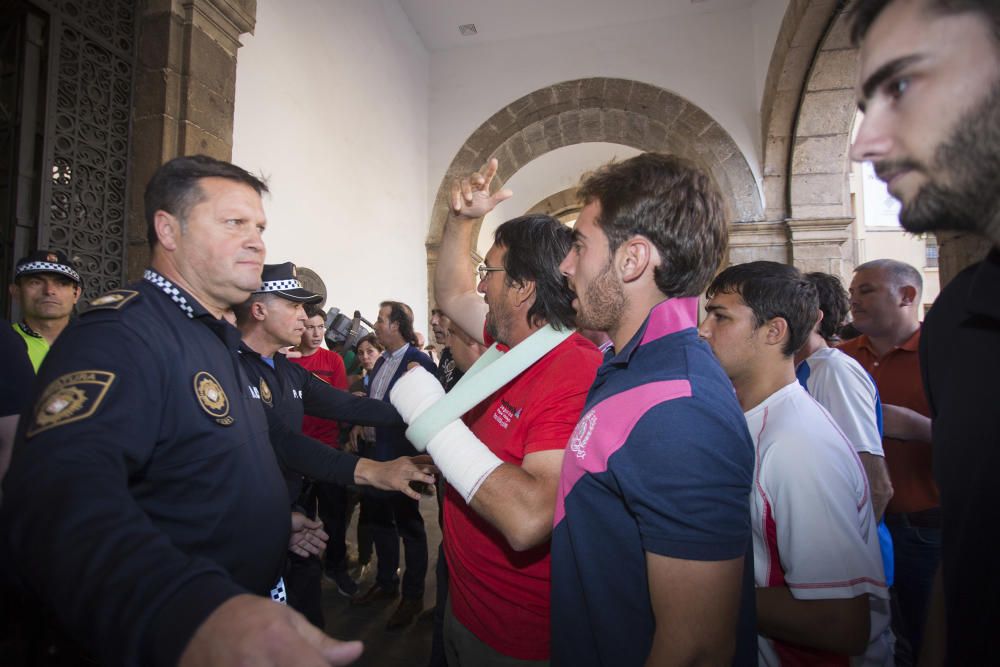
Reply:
x=502, y=464
x=930, y=90
x=656, y=481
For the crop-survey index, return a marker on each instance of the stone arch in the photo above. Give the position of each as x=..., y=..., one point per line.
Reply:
x=810, y=29
x=563, y=205
x=808, y=112
x=618, y=111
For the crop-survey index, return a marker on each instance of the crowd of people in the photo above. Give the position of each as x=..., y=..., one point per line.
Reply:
x=622, y=479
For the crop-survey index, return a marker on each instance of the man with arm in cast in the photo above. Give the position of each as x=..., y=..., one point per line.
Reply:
x=502, y=464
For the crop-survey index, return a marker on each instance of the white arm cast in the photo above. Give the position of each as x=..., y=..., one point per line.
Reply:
x=460, y=456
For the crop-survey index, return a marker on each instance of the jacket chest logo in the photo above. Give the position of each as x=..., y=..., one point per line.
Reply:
x=265, y=394
x=212, y=398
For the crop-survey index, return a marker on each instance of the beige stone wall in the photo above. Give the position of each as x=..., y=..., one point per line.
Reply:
x=184, y=93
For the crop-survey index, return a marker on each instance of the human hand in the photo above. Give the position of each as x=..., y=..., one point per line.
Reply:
x=470, y=196
x=251, y=631
x=307, y=537
x=354, y=439
x=401, y=475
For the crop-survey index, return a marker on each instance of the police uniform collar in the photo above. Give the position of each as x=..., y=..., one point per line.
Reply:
x=28, y=331
x=187, y=303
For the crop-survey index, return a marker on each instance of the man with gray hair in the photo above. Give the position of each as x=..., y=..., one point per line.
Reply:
x=885, y=303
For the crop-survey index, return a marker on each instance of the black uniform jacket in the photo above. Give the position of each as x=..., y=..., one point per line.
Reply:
x=144, y=491
x=288, y=392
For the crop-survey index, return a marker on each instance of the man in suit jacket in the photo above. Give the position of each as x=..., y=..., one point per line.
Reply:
x=395, y=515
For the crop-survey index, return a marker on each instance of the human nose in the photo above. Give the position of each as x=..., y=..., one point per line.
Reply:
x=873, y=141
x=567, y=267
x=703, y=331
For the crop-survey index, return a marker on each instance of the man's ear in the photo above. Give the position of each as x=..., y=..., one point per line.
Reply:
x=525, y=292
x=258, y=311
x=907, y=295
x=777, y=331
x=168, y=229
x=634, y=257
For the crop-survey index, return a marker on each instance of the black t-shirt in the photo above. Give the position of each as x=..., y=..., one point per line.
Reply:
x=960, y=362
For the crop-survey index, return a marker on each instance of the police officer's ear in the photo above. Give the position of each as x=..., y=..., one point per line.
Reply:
x=168, y=229
x=258, y=311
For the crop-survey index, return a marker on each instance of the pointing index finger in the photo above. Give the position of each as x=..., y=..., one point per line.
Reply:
x=488, y=171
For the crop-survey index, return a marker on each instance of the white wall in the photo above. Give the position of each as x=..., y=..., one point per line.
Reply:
x=710, y=59
x=331, y=106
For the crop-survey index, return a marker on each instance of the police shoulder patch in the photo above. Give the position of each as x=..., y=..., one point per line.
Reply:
x=212, y=398
x=113, y=300
x=70, y=398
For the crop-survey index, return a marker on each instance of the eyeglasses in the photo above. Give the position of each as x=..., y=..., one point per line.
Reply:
x=485, y=271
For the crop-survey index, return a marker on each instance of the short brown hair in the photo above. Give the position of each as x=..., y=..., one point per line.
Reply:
x=865, y=12
x=672, y=203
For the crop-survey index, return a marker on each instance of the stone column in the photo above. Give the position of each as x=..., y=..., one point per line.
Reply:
x=822, y=244
x=184, y=93
x=751, y=241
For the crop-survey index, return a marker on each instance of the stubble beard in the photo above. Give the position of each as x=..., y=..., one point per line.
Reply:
x=602, y=303
x=970, y=158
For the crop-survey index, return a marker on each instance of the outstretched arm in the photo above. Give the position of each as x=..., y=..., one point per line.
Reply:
x=455, y=281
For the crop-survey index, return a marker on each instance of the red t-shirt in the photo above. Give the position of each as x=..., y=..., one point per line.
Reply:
x=328, y=366
x=501, y=595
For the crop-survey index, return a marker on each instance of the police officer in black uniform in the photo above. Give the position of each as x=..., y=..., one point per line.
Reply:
x=274, y=318
x=144, y=504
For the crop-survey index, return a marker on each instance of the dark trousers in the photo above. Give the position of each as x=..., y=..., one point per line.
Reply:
x=333, y=505
x=438, y=658
x=303, y=586
x=394, y=516
x=917, y=551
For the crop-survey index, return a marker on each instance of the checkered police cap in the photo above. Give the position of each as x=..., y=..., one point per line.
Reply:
x=46, y=261
x=280, y=279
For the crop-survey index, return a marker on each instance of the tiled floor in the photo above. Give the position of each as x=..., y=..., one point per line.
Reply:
x=409, y=647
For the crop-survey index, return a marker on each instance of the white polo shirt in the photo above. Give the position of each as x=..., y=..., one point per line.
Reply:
x=813, y=526
x=844, y=388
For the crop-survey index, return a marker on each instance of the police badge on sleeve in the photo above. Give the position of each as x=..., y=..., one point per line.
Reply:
x=70, y=398
x=212, y=398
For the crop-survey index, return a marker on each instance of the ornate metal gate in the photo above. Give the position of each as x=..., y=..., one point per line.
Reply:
x=81, y=181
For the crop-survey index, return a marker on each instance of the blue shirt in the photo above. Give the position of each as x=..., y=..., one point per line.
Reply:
x=660, y=462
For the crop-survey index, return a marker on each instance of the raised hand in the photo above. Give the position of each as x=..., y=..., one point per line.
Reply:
x=470, y=196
